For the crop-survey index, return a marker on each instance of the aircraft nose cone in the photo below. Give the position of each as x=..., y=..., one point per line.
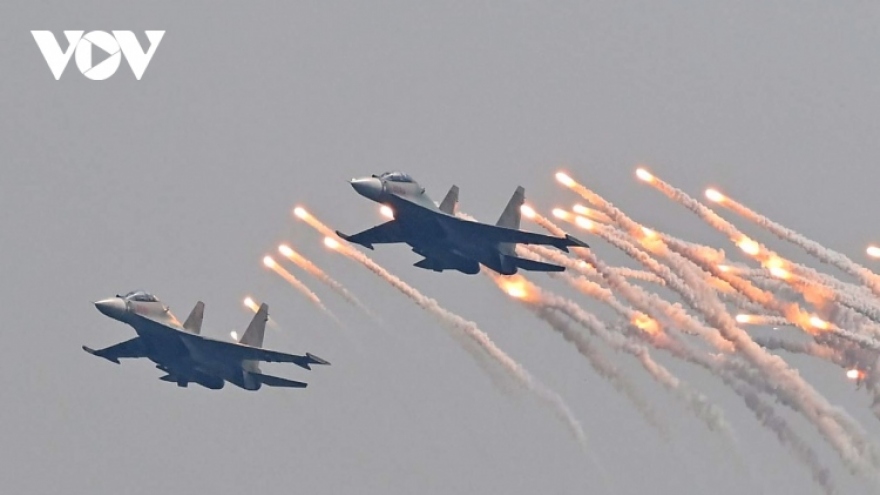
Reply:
x=368, y=187
x=113, y=307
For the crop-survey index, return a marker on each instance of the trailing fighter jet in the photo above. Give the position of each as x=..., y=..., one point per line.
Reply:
x=446, y=241
x=186, y=356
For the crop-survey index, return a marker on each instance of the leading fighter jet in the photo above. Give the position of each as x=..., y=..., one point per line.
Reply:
x=445, y=240
x=186, y=356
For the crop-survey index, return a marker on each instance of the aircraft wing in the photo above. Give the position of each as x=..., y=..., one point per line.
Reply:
x=388, y=232
x=495, y=234
x=487, y=232
x=236, y=351
x=133, y=348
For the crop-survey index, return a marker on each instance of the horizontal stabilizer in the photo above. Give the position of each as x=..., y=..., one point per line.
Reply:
x=576, y=242
x=277, y=381
x=569, y=240
x=535, y=266
x=316, y=359
x=308, y=360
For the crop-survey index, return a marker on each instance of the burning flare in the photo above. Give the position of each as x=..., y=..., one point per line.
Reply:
x=250, y=304
x=714, y=195
x=564, y=179
x=560, y=213
x=643, y=175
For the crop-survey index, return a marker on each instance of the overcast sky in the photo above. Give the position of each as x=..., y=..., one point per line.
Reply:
x=179, y=183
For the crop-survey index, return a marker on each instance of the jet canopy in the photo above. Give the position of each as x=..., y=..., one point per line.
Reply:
x=396, y=177
x=140, y=296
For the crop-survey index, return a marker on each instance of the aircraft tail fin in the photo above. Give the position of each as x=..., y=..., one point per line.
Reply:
x=277, y=381
x=253, y=336
x=511, y=216
x=450, y=202
x=193, y=322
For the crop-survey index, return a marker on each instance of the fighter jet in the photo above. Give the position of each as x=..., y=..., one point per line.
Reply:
x=446, y=241
x=188, y=357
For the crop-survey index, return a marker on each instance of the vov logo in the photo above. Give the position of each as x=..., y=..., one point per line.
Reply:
x=117, y=45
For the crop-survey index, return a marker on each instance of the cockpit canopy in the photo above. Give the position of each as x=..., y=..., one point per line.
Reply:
x=140, y=296
x=396, y=177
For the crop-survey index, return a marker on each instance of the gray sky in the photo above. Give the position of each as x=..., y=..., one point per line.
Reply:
x=181, y=182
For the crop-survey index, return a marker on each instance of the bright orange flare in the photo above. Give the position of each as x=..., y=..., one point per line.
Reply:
x=741, y=318
x=646, y=323
x=644, y=175
x=584, y=223
x=714, y=195
x=293, y=281
x=580, y=209
x=251, y=304
x=855, y=374
x=528, y=211
x=386, y=211
x=564, y=179
x=774, y=262
x=781, y=273
x=725, y=268
x=313, y=222
x=650, y=234
x=873, y=251
x=515, y=286
x=749, y=246
x=590, y=213
x=561, y=214
x=285, y=250
x=331, y=243
x=819, y=323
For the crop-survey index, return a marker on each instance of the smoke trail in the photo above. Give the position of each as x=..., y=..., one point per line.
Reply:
x=792, y=311
x=764, y=412
x=469, y=329
x=786, y=436
x=695, y=401
x=324, y=278
x=519, y=288
x=602, y=367
x=540, y=300
x=767, y=258
x=841, y=432
x=646, y=302
x=808, y=348
x=820, y=252
x=766, y=320
x=273, y=265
